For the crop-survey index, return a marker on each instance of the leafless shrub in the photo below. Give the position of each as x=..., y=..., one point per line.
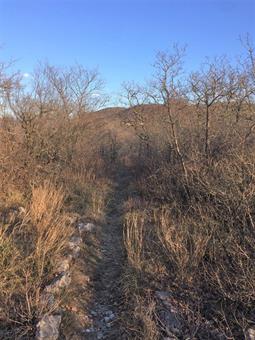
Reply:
x=200, y=200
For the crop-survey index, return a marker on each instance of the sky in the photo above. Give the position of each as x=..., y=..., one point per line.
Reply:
x=120, y=37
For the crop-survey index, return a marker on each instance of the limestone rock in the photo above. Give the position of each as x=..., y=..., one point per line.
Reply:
x=48, y=327
x=75, y=245
x=61, y=281
x=86, y=227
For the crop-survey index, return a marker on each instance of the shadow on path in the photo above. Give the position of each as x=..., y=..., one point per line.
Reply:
x=105, y=309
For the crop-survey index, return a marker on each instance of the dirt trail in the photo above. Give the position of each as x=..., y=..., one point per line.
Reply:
x=106, y=307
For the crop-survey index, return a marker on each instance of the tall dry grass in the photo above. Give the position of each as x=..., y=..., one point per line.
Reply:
x=27, y=252
x=134, y=237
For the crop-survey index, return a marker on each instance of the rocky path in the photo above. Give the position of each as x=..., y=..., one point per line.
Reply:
x=106, y=307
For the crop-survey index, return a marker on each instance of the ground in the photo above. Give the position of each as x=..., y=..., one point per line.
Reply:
x=98, y=301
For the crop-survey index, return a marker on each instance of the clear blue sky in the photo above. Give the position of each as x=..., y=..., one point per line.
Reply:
x=120, y=36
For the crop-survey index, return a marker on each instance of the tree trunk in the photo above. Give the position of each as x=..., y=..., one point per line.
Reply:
x=207, y=126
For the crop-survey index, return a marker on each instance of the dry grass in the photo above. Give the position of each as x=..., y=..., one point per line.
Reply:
x=27, y=251
x=134, y=237
x=52, y=229
x=183, y=242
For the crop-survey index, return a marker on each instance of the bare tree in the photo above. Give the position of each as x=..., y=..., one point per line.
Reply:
x=55, y=95
x=167, y=89
x=239, y=94
x=250, y=58
x=135, y=97
x=208, y=87
x=75, y=90
x=10, y=83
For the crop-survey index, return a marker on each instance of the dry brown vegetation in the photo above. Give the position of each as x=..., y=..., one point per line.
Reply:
x=192, y=232
x=186, y=141
x=29, y=242
x=50, y=172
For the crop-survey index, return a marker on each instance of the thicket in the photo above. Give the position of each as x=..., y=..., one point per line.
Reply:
x=190, y=230
x=51, y=170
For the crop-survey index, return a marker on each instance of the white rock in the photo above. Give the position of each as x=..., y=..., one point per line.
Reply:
x=48, y=327
x=60, y=282
x=86, y=227
x=89, y=330
x=74, y=244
